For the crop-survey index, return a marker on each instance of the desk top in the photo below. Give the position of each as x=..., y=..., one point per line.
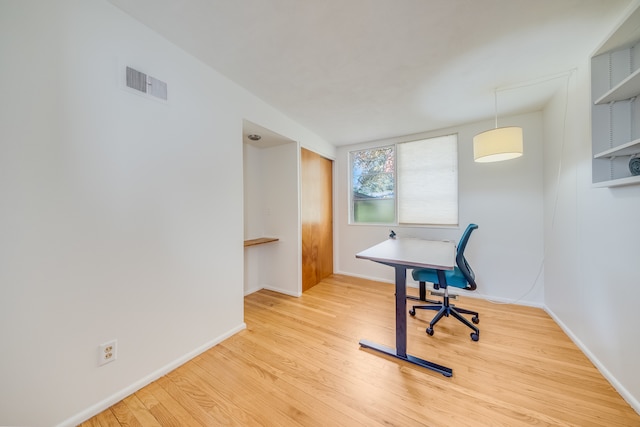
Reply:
x=413, y=253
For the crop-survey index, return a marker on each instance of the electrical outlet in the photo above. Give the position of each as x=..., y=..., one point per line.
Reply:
x=107, y=352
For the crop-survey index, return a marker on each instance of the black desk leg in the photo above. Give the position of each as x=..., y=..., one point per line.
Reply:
x=401, y=311
x=400, y=351
x=447, y=372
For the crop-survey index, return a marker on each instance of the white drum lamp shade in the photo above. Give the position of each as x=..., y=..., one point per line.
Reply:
x=498, y=144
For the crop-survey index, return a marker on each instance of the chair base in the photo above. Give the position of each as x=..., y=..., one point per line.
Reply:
x=423, y=295
x=445, y=309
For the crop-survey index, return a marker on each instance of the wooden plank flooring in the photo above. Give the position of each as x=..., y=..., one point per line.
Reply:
x=298, y=363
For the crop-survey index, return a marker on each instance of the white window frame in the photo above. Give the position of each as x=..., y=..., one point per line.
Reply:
x=453, y=205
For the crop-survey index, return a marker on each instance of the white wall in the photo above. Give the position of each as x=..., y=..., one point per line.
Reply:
x=504, y=199
x=592, y=268
x=282, y=271
x=272, y=210
x=253, y=217
x=121, y=217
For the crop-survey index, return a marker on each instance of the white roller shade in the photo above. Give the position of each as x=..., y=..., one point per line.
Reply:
x=427, y=181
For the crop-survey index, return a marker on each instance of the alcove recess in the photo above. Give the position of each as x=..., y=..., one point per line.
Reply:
x=615, y=113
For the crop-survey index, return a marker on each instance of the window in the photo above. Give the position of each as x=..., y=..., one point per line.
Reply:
x=373, y=185
x=413, y=183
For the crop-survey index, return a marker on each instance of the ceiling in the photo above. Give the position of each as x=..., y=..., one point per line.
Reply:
x=362, y=70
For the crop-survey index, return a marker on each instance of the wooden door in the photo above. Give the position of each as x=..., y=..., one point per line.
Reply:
x=317, y=218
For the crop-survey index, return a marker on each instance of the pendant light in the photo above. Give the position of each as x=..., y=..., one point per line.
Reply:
x=497, y=144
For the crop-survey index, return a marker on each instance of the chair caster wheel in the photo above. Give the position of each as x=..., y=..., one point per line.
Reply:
x=430, y=331
x=475, y=320
x=412, y=312
x=474, y=336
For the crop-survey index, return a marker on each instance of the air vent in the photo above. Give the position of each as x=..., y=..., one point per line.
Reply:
x=136, y=80
x=150, y=85
x=157, y=88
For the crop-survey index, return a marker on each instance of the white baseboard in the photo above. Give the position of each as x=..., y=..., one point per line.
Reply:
x=500, y=300
x=127, y=391
x=272, y=288
x=470, y=294
x=251, y=290
x=361, y=276
x=283, y=291
x=628, y=397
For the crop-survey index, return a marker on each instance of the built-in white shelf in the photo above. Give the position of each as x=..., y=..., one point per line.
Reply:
x=628, y=149
x=619, y=182
x=623, y=36
x=626, y=89
x=615, y=111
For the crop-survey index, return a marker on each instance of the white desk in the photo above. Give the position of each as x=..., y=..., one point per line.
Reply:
x=403, y=254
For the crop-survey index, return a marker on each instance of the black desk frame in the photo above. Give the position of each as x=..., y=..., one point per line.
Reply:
x=400, y=352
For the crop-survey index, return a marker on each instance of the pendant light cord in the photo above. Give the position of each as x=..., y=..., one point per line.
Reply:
x=568, y=76
x=495, y=101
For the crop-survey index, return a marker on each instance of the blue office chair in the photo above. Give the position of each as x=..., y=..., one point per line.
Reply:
x=461, y=277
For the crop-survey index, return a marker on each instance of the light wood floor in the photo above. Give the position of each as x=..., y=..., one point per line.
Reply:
x=298, y=363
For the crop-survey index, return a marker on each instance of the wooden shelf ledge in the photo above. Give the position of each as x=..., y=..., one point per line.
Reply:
x=260, y=241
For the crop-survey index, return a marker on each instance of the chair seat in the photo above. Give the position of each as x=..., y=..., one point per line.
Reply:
x=454, y=277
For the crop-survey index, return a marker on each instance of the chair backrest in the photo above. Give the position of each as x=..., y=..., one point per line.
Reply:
x=463, y=265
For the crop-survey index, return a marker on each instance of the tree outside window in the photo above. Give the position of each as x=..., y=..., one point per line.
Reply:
x=373, y=185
